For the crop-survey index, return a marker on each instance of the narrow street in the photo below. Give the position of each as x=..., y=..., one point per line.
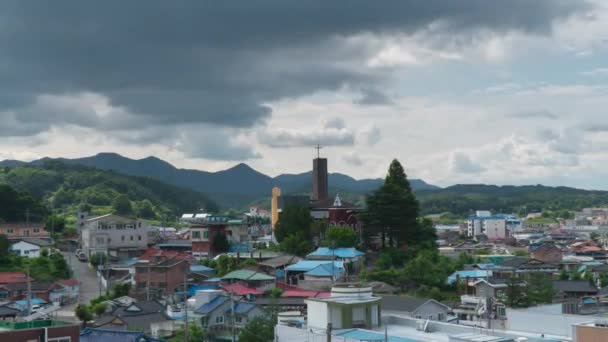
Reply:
x=89, y=285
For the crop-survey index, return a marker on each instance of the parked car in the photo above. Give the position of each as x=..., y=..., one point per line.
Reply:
x=82, y=257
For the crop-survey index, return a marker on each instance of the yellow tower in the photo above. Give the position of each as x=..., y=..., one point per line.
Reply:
x=274, y=204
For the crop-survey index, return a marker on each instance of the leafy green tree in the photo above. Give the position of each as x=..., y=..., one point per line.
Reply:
x=55, y=223
x=98, y=259
x=195, y=334
x=392, y=211
x=293, y=220
x=516, y=293
x=145, y=209
x=225, y=265
x=275, y=292
x=337, y=237
x=122, y=205
x=297, y=244
x=540, y=289
x=259, y=329
x=83, y=313
x=5, y=246
x=220, y=243
x=121, y=290
x=99, y=309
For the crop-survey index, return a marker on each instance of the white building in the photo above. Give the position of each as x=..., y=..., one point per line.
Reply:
x=496, y=227
x=29, y=248
x=349, y=306
x=114, y=235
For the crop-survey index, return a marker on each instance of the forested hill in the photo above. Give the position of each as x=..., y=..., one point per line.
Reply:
x=464, y=199
x=61, y=185
x=17, y=206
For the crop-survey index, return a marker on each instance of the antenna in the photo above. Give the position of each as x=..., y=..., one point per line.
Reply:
x=318, y=148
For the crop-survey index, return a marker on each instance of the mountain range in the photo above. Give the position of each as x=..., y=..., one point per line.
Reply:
x=233, y=187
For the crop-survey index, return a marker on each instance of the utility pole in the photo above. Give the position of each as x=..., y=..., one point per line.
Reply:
x=29, y=293
x=328, y=332
x=186, y=306
x=232, y=317
x=148, y=281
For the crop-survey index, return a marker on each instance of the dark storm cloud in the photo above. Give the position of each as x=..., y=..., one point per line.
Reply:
x=214, y=62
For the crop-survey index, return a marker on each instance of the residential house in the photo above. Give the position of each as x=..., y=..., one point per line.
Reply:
x=573, y=289
x=468, y=276
x=318, y=275
x=237, y=231
x=349, y=306
x=8, y=313
x=423, y=308
x=29, y=248
x=218, y=315
x=160, y=272
x=50, y=292
x=204, y=233
x=117, y=236
x=137, y=316
x=276, y=266
x=201, y=273
x=97, y=335
x=546, y=252
x=40, y=330
x=344, y=254
x=24, y=230
x=255, y=280
x=70, y=289
x=14, y=277
x=489, y=288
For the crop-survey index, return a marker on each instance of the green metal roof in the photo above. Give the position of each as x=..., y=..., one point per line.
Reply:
x=247, y=275
x=4, y=325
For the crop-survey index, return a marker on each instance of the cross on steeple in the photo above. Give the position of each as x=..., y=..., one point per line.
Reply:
x=318, y=148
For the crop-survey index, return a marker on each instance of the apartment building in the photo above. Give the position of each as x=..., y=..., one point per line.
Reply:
x=114, y=235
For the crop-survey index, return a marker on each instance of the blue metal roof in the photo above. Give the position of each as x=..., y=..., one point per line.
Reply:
x=212, y=305
x=103, y=335
x=336, y=252
x=367, y=335
x=468, y=273
x=243, y=308
x=308, y=265
x=325, y=270
x=35, y=301
x=192, y=289
x=200, y=268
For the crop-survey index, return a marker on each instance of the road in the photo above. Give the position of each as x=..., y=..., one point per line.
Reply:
x=89, y=285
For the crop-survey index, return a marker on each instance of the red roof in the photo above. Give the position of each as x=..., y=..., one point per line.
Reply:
x=241, y=290
x=69, y=282
x=164, y=254
x=293, y=291
x=13, y=277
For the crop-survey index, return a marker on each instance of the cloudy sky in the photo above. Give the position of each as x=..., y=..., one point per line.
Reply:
x=503, y=92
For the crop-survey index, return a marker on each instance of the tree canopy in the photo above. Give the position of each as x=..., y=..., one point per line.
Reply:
x=337, y=237
x=392, y=211
x=293, y=220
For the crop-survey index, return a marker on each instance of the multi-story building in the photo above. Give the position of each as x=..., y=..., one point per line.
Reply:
x=113, y=235
x=203, y=235
x=160, y=272
x=495, y=227
x=24, y=230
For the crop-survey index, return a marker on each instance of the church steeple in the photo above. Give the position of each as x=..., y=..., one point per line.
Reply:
x=337, y=201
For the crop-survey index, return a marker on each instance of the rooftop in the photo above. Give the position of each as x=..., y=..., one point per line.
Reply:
x=8, y=326
x=325, y=252
x=247, y=275
x=308, y=265
x=99, y=335
x=13, y=277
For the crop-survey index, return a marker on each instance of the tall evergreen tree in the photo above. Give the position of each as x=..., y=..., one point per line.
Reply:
x=392, y=210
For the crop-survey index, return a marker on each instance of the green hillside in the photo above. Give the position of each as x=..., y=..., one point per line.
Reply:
x=66, y=187
x=464, y=199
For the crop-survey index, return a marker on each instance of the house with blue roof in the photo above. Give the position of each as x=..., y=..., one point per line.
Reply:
x=315, y=274
x=344, y=254
x=217, y=314
x=471, y=275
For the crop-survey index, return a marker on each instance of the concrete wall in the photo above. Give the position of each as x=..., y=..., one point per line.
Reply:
x=317, y=314
x=559, y=324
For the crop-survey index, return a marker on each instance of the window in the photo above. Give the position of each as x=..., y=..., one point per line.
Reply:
x=139, y=224
x=59, y=339
x=131, y=237
x=139, y=237
x=196, y=235
x=36, y=230
x=26, y=252
x=3, y=294
x=219, y=319
x=238, y=319
x=204, y=321
x=431, y=317
x=123, y=238
x=205, y=234
x=109, y=240
x=130, y=226
x=9, y=231
x=441, y=317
